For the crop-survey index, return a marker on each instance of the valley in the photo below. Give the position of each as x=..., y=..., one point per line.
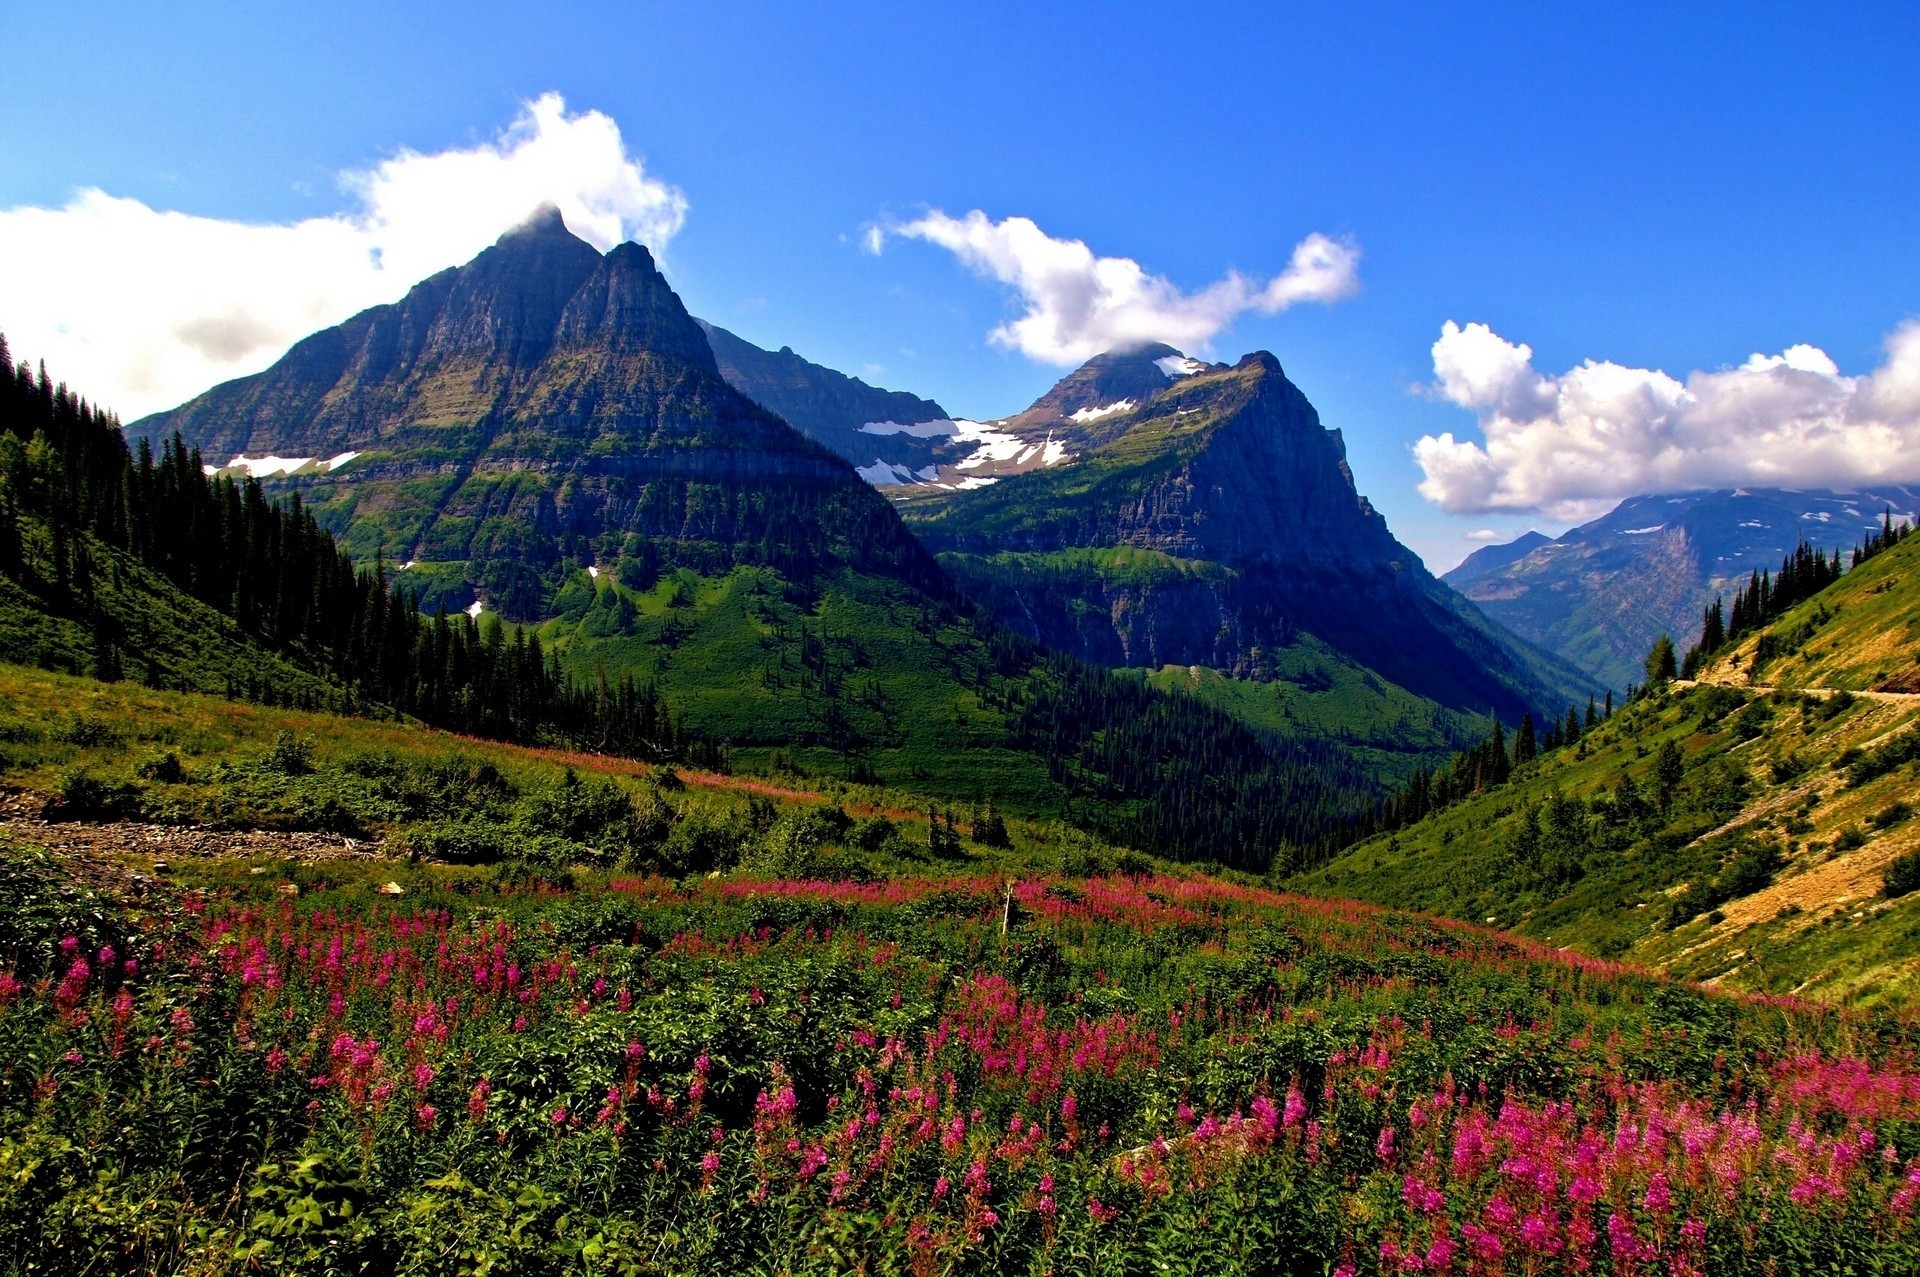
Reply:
x=586, y=821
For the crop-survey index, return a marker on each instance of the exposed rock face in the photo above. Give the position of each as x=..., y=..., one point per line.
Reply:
x=544, y=401
x=1229, y=478
x=1077, y=400
x=1600, y=594
x=833, y=409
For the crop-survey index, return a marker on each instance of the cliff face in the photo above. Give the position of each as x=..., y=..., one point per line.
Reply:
x=544, y=402
x=1228, y=475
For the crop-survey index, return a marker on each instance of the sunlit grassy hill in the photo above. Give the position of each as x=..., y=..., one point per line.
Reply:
x=1759, y=861
x=1861, y=633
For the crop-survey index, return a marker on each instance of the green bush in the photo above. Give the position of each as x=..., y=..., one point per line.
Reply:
x=164, y=768
x=1890, y=815
x=460, y=842
x=290, y=755
x=1902, y=876
x=84, y=796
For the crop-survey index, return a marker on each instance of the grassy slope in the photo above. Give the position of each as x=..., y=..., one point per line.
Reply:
x=158, y=632
x=1861, y=633
x=1820, y=930
x=1320, y=693
x=53, y=726
x=729, y=653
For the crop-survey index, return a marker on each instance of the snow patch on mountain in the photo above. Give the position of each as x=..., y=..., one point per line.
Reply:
x=882, y=473
x=279, y=467
x=1094, y=414
x=940, y=429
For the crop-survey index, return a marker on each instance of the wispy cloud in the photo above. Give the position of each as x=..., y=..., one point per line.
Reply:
x=1571, y=445
x=141, y=308
x=1078, y=304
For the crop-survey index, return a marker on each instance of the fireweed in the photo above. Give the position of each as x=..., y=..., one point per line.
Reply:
x=1138, y=1075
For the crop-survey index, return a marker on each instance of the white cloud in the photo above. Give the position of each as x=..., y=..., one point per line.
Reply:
x=1078, y=305
x=140, y=308
x=1571, y=445
x=1487, y=534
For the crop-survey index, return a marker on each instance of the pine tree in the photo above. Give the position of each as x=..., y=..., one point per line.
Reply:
x=1523, y=742
x=989, y=830
x=1668, y=767
x=1660, y=663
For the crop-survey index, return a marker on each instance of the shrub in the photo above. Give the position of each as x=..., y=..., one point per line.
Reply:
x=702, y=844
x=460, y=842
x=89, y=733
x=1876, y=763
x=84, y=796
x=1890, y=815
x=1787, y=767
x=1902, y=876
x=1716, y=702
x=164, y=768
x=1849, y=839
x=877, y=833
x=290, y=756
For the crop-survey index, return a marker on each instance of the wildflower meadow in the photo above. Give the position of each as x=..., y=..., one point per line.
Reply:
x=918, y=1076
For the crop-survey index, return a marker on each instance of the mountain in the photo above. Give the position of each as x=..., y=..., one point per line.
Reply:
x=540, y=408
x=1754, y=829
x=1207, y=518
x=1491, y=558
x=1601, y=593
x=890, y=436
x=545, y=435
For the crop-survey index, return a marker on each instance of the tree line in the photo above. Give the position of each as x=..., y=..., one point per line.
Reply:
x=65, y=466
x=1491, y=762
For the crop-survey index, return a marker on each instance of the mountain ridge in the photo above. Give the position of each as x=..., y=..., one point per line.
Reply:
x=1601, y=593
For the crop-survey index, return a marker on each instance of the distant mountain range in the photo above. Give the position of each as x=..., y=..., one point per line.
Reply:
x=1600, y=594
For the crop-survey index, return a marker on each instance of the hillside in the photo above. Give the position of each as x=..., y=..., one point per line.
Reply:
x=1733, y=830
x=1213, y=522
x=1601, y=593
x=826, y=1042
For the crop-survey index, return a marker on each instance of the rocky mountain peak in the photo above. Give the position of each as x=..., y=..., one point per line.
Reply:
x=1098, y=387
x=626, y=307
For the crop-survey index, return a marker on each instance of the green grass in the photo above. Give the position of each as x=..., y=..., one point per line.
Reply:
x=1860, y=633
x=405, y=784
x=143, y=626
x=861, y=681
x=1771, y=775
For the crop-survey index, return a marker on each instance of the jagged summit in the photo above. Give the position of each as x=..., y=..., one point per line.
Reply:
x=1074, y=416
x=541, y=401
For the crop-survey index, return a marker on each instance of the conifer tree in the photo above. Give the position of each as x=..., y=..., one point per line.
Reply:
x=1660, y=663
x=1524, y=746
x=1668, y=767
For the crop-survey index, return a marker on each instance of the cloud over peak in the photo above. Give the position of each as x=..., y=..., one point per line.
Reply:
x=1078, y=304
x=141, y=308
x=1571, y=445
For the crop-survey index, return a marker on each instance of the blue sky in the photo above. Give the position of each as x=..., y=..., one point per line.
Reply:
x=1668, y=187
